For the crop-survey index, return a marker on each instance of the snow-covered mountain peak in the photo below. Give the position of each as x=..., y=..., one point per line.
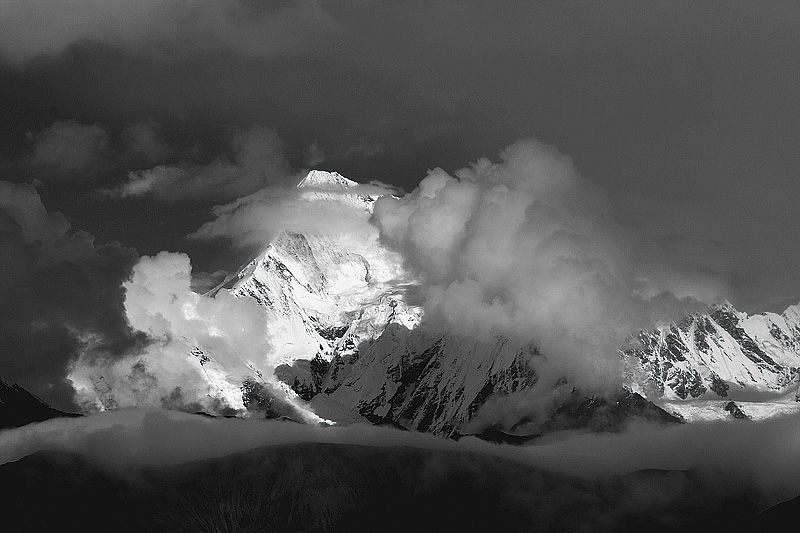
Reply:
x=331, y=190
x=321, y=179
x=721, y=353
x=326, y=292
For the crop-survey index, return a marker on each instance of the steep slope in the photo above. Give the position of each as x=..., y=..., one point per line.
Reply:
x=19, y=407
x=696, y=368
x=722, y=353
x=326, y=293
x=347, y=336
x=425, y=383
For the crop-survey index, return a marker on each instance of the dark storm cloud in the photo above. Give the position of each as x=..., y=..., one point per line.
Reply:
x=144, y=143
x=61, y=295
x=69, y=150
x=30, y=29
x=682, y=111
x=363, y=149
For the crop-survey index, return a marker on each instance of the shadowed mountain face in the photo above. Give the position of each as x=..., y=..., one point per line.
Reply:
x=776, y=517
x=327, y=487
x=19, y=407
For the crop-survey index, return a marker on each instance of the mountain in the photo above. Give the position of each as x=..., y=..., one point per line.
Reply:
x=346, y=328
x=718, y=356
x=325, y=294
x=344, y=317
x=19, y=407
x=349, y=344
x=346, y=332
x=312, y=487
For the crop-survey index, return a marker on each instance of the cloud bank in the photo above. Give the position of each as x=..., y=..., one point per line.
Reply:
x=529, y=249
x=763, y=455
x=30, y=29
x=198, y=346
x=69, y=150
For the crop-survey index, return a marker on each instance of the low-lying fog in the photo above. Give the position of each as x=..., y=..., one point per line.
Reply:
x=765, y=455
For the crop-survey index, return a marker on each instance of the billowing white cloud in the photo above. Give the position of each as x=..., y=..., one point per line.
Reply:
x=47, y=27
x=171, y=370
x=529, y=249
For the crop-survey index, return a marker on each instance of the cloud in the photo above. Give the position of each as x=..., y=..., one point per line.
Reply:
x=257, y=161
x=184, y=328
x=363, y=150
x=143, y=142
x=254, y=220
x=29, y=29
x=313, y=155
x=730, y=458
x=58, y=289
x=528, y=249
x=69, y=149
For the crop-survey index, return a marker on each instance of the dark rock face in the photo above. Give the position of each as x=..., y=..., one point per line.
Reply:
x=728, y=319
x=600, y=413
x=19, y=407
x=303, y=376
x=735, y=411
x=424, y=384
x=257, y=398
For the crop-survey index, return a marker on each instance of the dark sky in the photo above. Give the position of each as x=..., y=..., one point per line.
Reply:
x=686, y=113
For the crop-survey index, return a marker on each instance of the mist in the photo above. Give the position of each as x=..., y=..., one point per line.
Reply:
x=759, y=457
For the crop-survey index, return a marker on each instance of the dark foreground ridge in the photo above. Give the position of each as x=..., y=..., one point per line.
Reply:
x=19, y=407
x=610, y=414
x=330, y=487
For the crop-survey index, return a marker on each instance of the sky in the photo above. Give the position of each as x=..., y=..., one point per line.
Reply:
x=125, y=124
